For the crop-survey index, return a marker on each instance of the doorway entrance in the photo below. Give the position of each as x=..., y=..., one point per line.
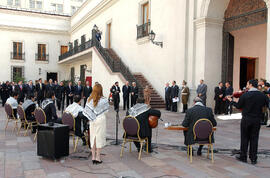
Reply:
x=51, y=75
x=247, y=70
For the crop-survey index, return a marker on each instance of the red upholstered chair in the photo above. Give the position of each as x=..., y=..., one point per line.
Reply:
x=132, y=129
x=40, y=117
x=69, y=120
x=10, y=117
x=24, y=121
x=202, y=131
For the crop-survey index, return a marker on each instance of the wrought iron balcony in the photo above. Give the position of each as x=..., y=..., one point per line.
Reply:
x=42, y=57
x=17, y=56
x=77, y=49
x=143, y=30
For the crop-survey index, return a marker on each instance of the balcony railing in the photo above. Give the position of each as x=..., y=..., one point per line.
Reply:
x=77, y=49
x=143, y=30
x=42, y=57
x=17, y=56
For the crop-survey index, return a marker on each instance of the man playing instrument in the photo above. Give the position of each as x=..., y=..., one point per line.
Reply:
x=142, y=112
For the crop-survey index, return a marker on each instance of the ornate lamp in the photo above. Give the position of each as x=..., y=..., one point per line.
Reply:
x=152, y=37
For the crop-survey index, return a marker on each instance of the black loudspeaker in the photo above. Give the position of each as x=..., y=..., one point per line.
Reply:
x=53, y=141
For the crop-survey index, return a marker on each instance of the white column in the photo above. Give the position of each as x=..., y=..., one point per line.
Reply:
x=208, y=57
x=267, y=72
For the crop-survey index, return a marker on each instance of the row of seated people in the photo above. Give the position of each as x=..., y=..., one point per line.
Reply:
x=49, y=108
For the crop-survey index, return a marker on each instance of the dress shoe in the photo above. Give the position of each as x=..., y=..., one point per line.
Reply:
x=241, y=159
x=253, y=162
x=268, y=125
x=98, y=162
x=94, y=161
x=199, y=153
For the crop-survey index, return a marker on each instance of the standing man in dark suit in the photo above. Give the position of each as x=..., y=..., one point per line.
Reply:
x=134, y=94
x=219, y=95
x=115, y=90
x=69, y=93
x=78, y=89
x=30, y=88
x=60, y=95
x=126, y=92
x=168, y=98
x=40, y=88
x=174, y=96
x=21, y=92
x=251, y=103
x=5, y=92
x=202, y=91
x=50, y=87
x=228, y=93
x=197, y=112
x=87, y=90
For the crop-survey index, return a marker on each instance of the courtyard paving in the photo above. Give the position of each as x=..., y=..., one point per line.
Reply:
x=18, y=157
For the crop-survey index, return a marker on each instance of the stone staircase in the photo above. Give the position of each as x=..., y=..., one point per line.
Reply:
x=118, y=66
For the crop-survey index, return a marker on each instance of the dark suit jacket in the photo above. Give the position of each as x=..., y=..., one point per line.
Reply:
x=126, y=91
x=50, y=88
x=59, y=92
x=145, y=130
x=20, y=91
x=252, y=103
x=228, y=91
x=168, y=92
x=114, y=90
x=40, y=91
x=69, y=90
x=194, y=114
x=174, y=91
x=77, y=90
x=29, y=90
x=87, y=91
x=135, y=90
x=219, y=91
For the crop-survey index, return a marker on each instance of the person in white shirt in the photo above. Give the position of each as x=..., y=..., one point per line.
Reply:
x=12, y=100
x=76, y=110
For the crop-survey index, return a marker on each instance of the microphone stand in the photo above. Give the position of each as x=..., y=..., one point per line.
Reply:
x=117, y=121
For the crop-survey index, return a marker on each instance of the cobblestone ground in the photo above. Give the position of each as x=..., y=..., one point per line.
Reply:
x=18, y=156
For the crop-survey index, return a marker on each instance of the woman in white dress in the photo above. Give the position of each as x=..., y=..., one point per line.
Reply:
x=95, y=110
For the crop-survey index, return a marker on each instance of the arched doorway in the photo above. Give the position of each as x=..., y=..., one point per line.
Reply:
x=244, y=41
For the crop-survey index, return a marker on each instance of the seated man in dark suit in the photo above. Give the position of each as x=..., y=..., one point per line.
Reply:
x=29, y=107
x=49, y=108
x=198, y=111
x=142, y=112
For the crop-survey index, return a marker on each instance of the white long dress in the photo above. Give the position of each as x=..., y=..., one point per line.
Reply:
x=98, y=131
x=97, y=118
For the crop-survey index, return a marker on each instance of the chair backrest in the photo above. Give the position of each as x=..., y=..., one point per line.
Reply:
x=203, y=130
x=68, y=119
x=21, y=113
x=40, y=116
x=131, y=126
x=9, y=110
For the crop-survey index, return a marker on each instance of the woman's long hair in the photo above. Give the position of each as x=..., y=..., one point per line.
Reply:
x=96, y=94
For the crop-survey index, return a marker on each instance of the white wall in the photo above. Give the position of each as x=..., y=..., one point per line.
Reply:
x=158, y=65
x=31, y=29
x=103, y=75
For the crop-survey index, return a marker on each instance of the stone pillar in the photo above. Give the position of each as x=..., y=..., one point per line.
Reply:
x=208, y=57
x=267, y=70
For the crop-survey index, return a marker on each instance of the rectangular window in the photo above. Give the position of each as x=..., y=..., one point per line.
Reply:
x=32, y=4
x=64, y=49
x=73, y=9
x=60, y=8
x=41, y=52
x=9, y=2
x=145, y=13
x=39, y=4
x=17, y=50
x=17, y=2
x=53, y=7
x=17, y=73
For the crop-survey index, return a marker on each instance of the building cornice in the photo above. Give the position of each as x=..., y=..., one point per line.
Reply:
x=208, y=22
x=34, y=30
x=33, y=14
x=101, y=7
